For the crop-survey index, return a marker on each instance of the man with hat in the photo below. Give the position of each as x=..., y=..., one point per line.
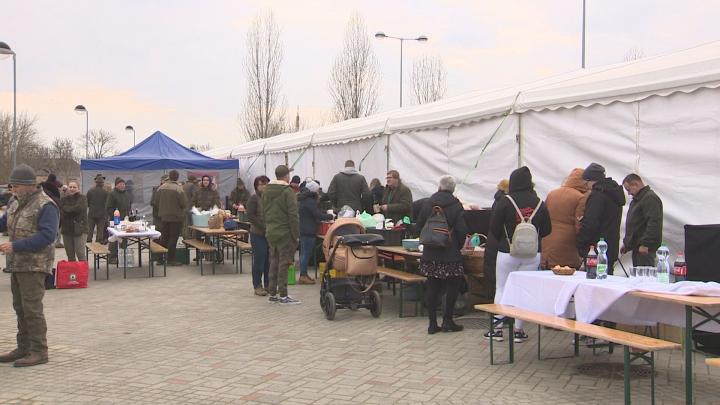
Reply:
x=32, y=222
x=603, y=212
x=97, y=217
x=118, y=199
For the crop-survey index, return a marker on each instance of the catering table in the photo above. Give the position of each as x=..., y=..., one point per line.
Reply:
x=688, y=304
x=216, y=236
x=141, y=238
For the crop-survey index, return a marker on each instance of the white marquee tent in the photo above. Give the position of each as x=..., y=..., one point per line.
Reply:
x=658, y=117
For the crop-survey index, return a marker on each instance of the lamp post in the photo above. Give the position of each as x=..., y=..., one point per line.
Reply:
x=421, y=38
x=5, y=50
x=130, y=128
x=80, y=109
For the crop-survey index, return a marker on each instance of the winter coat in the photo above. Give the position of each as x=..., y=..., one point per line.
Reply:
x=205, y=198
x=280, y=209
x=644, y=223
x=377, y=194
x=491, y=245
x=310, y=214
x=349, y=188
x=75, y=218
x=119, y=200
x=454, y=212
x=238, y=196
x=255, y=215
x=603, y=212
x=566, y=206
x=171, y=202
x=399, y=201
x=505, y=217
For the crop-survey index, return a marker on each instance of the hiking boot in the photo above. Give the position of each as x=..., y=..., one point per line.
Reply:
x=288, y=300
x=32, y=359
x=451, y=326
x=12, y=356
x=306, y=280
x=260, y=291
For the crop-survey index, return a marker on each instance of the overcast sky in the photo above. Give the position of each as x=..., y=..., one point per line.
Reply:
x=176, y=66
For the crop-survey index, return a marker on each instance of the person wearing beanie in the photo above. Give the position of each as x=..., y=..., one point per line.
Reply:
x=32, y=221
x=239, y=197
x=566, y=205
x=603, y=214
x=310, y=217
x=503, y=188
x=502, y=227
x=349, y=187
x=97, y=216
x=118, y=199
x=280, y=211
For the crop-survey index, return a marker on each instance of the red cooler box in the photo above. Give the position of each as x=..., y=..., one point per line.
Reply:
x=71, y=274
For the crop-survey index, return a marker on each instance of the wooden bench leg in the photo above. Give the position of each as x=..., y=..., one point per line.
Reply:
x=199, y=256
x=626, y=373
x=511, y=332
x=491, y=330
x=165, y=264
x=401, y=299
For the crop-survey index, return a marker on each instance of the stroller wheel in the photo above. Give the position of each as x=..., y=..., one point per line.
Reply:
x=376, y=302
x=329, y=307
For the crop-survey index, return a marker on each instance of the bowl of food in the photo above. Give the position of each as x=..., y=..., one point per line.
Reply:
x=563, y=270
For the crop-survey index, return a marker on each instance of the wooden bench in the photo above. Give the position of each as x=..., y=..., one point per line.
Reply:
x=641, y=345
x=200, y=248
x=713, y=362
x=158, y=249
x=404, y=278
x=239, y=248
x=99, y=252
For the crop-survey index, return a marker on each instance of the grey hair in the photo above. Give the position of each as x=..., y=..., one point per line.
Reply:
x=447, y=183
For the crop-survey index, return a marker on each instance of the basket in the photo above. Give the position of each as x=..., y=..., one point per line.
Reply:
x=563, y=271
x=215, y=221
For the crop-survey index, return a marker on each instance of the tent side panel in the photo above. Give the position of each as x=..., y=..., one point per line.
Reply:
x=421, y=158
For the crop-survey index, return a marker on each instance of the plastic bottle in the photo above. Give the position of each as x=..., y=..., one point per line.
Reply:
x=116, y=217
x=663, y=264
x=591, y=262
x=602, y=260
x=680, y=268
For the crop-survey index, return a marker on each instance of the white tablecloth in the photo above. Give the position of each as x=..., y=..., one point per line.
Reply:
x=607, y=299
x=116, y=235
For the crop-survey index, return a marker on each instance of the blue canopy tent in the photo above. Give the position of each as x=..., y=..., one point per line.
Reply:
x=142, y=166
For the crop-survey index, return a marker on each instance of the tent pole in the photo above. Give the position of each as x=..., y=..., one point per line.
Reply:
x=387, y=153
x=519, y=140
x=637, y=137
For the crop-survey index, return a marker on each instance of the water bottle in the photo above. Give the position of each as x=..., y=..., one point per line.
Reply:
x=116, y=217
x=591, y=262
x=663, y=264
x=680, y=268
x=602, y=260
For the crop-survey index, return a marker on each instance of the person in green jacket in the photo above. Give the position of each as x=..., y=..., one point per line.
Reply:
x=118, y=199
x=282, y=230
x=397, y=198
x=644, y=222
x=74, y=227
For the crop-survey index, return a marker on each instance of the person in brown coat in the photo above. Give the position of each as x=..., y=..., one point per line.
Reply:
x=566, y=206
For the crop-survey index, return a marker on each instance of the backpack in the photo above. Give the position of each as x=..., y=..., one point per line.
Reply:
x=436, y=232
x=524, y=242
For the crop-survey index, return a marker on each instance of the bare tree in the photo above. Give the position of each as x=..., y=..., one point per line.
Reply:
x=101, y=143
x=634, y=53
x=263, y=113
x=429, y=80
x=200, y=147
x=355, y=78
x=26, y=141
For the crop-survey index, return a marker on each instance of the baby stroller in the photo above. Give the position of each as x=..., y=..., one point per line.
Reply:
x=349, y=278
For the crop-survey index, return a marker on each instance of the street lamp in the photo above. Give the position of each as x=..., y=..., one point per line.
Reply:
x=5, y=50
x=80, y=109
x=130, y=128
x=421, y=38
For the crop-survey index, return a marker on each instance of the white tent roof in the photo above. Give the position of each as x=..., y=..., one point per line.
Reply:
x=683, y=71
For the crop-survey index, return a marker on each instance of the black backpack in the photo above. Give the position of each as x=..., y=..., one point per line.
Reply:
x=436, y=232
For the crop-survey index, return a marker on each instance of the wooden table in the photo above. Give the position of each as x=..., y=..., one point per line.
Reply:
x=216, y=236
x=693, y=305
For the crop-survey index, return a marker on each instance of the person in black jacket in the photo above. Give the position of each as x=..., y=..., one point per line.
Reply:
x=491, y=243
x=310, y=217
x=502, y=227
x=603, y=213
x=443, y=266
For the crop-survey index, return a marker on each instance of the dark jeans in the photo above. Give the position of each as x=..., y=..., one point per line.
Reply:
x=28, y=290
x=435, y=287
x=261, y=260
x=100, y=224
x=170, y=234
x=643, y=260
x=307, y=246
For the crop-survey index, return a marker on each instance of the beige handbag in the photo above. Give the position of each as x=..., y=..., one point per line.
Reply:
x=356, y=260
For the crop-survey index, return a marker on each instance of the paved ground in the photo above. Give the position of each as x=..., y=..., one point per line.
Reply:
x=192, y=339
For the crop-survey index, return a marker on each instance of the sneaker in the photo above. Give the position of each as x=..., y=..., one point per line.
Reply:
x=520, y=336
x=274, y=299
x=495, y=335
x=306, y=280
x=288, y=300
x=260, y=291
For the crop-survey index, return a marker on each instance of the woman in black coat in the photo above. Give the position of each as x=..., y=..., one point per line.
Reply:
x=443, y=266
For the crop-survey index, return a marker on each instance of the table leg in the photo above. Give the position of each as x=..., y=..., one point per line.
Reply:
x=626, y=373
x=688, y=355
x=140, y=253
